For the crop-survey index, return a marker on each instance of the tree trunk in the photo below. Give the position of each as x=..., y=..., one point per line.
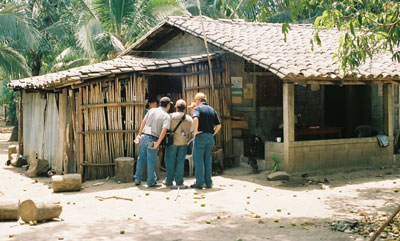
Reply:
x=14, y=134
x=67, y=182
x=39, y=211
x=36, y=63
x=8, y=210
x=124, y=169
x=38, y=167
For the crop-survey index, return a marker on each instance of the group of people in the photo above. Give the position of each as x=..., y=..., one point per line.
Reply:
x=200, y=128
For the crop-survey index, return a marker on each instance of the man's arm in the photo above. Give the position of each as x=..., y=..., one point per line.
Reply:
x=137, y=140
x=156, y=144
x=217, y=128
x=196, y=127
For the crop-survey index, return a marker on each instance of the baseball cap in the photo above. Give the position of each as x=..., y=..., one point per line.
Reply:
x=166, y=100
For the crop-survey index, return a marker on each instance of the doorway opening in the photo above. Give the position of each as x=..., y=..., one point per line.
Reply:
x=159, y=86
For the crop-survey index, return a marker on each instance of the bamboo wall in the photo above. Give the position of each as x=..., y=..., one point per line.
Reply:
x=109, y=119
x=219, y=98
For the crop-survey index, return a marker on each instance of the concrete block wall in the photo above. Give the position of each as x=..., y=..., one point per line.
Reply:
x=271, y=149
x=341, y=153
x=326, y=154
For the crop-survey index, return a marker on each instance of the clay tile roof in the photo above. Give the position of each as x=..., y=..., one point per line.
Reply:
x=123, y=64
x=263, y=44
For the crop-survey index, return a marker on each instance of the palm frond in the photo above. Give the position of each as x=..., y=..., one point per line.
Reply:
x=13, y=28
x=13, y=63
x=89, y=30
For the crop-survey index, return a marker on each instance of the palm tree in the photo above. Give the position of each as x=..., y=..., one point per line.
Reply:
x=15, y=33
x=243, y=9
x=107, y=27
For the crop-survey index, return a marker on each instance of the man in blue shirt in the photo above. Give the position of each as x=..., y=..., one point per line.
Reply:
x=152, y=131
x=206, y=124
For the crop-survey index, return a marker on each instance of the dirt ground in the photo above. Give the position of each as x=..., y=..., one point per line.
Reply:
x=241, y=205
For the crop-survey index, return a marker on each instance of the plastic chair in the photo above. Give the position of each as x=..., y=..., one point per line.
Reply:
x=191, y=165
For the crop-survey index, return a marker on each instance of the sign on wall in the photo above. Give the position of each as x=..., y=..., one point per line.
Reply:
x=248, y=91
x=237, y=90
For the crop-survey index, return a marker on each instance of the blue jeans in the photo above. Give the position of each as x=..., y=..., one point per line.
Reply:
x=145, y=153
x=174, y=154
x=202, y=158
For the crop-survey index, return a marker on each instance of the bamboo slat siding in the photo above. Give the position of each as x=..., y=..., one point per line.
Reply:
x=219, y=98
x=108, y=131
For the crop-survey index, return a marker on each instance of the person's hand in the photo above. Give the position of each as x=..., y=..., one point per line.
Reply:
x=196, y=133
x=155, y=145
x=137, y=140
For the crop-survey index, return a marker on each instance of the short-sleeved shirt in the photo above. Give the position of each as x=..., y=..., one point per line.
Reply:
x=208, y=118
x=182, y=135
x=156, y=120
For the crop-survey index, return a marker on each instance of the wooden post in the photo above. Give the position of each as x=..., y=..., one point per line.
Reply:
x=20, y=125
x=288, y=121
x=11, y=150
x=388, y=109
x=69, y=160
x=80, y=130
x=62, y=108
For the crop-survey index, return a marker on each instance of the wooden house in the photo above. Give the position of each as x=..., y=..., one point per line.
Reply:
x=83, y=118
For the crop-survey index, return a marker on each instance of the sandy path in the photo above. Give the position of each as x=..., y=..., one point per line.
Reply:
x=236, y=198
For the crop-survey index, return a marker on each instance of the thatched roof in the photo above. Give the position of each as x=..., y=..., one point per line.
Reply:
x=263, y=45
x=123, y=64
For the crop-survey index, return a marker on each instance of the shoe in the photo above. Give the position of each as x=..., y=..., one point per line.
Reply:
x=167, y=184
x=137, y=183
x=209, y=187
x=195, y=186
x=155, y=185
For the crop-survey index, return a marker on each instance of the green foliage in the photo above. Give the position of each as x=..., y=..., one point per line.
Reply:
x=276, y=163
x=367, y=26
x=9, y=97
x=107, y=27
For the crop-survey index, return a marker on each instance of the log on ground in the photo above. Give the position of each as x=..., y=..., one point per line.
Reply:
x=38, y=167
x=8, y=210
x=66, y=183
x=39, y=211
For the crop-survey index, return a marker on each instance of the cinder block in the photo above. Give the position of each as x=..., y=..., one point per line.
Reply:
x=238, y=151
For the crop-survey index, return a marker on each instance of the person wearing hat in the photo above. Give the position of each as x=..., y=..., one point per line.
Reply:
x=206, y=124
x=152, y=131
x=176, y=153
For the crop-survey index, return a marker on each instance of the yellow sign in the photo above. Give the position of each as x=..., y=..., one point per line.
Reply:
x=248, y=91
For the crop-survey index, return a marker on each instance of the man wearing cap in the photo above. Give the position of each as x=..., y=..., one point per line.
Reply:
x=206, y=124
x=176, y=152
x=152, y=131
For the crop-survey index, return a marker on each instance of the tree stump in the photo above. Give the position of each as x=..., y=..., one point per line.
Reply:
x=67, y=182
x=8, y=210
x=38, y=167
x=124, y=169
x=11, y=150
x=39, y=211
